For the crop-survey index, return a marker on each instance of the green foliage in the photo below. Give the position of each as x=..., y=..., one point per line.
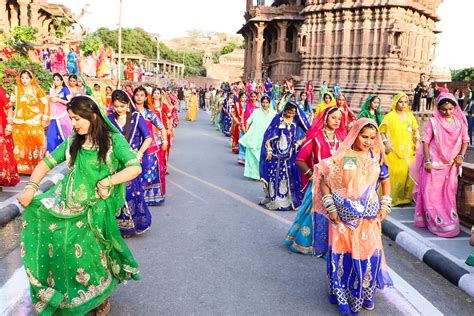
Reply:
x=24, y=33
x=9, y=69
x=90, y=44
x=60, y=25
x=229, y=48
x=466, y=74
x=134, y=41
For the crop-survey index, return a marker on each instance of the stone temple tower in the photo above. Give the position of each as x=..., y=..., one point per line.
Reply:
x=365, y=46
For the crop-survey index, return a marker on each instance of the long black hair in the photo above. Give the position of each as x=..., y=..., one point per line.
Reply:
x=57, y=74
x=306, y=106
x=141, y=88
x=122, y=96
x=99, y=132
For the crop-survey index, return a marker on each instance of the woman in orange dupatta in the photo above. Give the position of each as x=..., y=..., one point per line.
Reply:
x=30, y=119
x=345, y=191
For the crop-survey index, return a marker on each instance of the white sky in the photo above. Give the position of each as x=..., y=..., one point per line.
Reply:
x=172, y=18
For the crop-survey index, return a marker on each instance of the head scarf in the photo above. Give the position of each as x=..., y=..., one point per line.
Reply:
x=34, y=83
x=365, y=110
x=323, y=105
x=397, y=98
x=320, y=122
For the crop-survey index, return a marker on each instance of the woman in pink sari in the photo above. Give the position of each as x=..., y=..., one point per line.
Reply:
x=436, y=168
x=251, y=105
x=309, y=89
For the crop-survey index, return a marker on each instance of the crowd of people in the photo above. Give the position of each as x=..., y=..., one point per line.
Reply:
x=116, y=154
x=340, y=171
x=344, y=172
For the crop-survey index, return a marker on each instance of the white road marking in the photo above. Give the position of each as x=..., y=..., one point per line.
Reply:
x=13, y=291
x=187, y=191
x=403, y=296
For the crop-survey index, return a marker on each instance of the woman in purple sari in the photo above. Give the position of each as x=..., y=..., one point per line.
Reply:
x=278, y=169
x=61, y=126
x=436, y=167
x=226, y=118
x=134, y=217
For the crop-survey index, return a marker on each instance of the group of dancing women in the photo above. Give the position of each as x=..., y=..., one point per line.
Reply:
x=344, y=172
x=72, y=241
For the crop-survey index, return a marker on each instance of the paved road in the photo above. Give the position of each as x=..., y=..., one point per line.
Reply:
x=212, y=250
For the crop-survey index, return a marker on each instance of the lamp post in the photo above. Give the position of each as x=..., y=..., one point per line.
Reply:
x=119, y=45
x=157, y=38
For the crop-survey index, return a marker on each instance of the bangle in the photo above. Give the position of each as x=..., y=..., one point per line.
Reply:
x=32, y=185
x=460, y=155
x=307, y=171
x=109, y=178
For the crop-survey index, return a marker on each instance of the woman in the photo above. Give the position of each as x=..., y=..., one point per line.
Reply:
x=74, y=87
x=371, y=109
x=226, y=118
x=256, y=126
x=8, y=170
x=30, y=119
x=278, y=170
x=163, y=112
x=435, y=169
x=60, y=126
x=237, y=113
x=305, y=105
x=134, y=217
x=309, y=89
x=154, y=183
x=72, y=62
x=348, y=117
x=71, y=246
x=308, y=234
x=193, y=107
x=328, y=100
x=345, y=191
x=399, y=131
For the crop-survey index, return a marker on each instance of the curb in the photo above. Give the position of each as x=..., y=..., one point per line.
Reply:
x=12, y=208
x=438, y=262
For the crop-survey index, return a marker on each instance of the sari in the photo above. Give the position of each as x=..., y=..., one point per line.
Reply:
x=365, y=111
x=323, y=89
x=237, y=113
x=153, y=180
x=323, y=105
x=226, y=118
x=192, y=109
x=29, y=121
x=72, y=68
x=163, y=112
x=348, y=117
x=435, y=191
x=355, y=258
x=134, y=217
x=252, y=140
x=309, y=232
x=309, y=89
x=71, y=246
x=8, y=170
x=280, y=176
x=60, y=126
x=401, y=135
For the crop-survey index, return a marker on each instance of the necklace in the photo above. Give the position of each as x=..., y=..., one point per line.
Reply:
x=364, y=168
x=332, y=148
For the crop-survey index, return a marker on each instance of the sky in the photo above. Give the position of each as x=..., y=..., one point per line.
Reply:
x=173, y=18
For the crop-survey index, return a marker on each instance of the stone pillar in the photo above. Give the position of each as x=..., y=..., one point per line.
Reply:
x=34, y=10
x=281, y=46
x=23, y=11
x=14, y=21
x=4, y=25
x=259, y=51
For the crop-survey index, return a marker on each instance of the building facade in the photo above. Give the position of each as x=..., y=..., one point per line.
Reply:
x=365, y=46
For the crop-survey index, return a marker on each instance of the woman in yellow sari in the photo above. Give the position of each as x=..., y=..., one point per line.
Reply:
x=399, y=130
x=328, y=100
x=30, y=119
x=193, y=107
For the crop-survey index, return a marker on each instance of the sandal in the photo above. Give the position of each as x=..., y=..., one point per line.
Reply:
x=103, y=308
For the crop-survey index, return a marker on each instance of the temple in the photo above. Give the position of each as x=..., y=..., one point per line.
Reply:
x=365, y=46
x=45, y=17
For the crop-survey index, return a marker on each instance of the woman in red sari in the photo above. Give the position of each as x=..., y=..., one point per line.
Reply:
x=348, y=117
x=8, y=171
x=309, y=91
x=162, y=110
x=237, y=113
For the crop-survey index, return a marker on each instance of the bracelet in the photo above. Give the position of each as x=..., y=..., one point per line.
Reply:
x=109, y=178
x=33, y=185
x=307, y=171
x=459, y=155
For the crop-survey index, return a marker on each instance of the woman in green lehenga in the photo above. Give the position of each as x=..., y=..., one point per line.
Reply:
x=371, y=109
x=71, y=246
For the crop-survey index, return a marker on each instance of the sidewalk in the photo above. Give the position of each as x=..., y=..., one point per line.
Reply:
x=445, y=255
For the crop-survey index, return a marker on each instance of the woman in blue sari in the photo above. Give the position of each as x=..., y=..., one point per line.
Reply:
x=226, y=118
x=72, y=68
x=134, y=217
x=278, y=169
x=60, y=127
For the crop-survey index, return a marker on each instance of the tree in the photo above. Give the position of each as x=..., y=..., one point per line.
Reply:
x=90, y=44
x=466, y=74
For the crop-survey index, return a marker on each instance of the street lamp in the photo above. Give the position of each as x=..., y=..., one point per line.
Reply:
x=157, y=38
x=119, y=45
